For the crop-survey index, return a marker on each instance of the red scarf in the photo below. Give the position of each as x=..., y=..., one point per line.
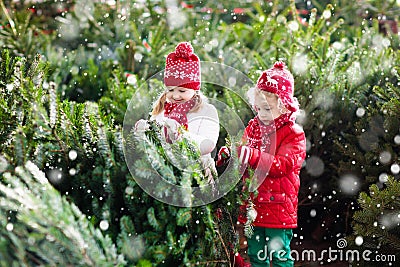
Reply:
x=258, y=133
x=179, y=112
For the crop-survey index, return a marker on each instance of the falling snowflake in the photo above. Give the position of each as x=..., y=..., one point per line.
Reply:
x=104, y=225
x=175, y=17
x=300, y=64
x=138, y=57
x=359, y=240
x=326, y=14
x=128, y=190
x=313, y=213
x=214, y=42
x=276, y=244
x=69, y=27
x=355, y=74
x=72, y=171
x=9, y=227
x=72, y=155
x=390, y=220
x=315, y=166
x=131, y=80
x=208, y=47
x=360, y=112
x=379, y=43
x=385, y=157
x=395, y=168
x=349, y=184
x=383, y=177
x=301, y=117
x=74, y=70
x=293, y=26
x=133, y=247
x=55, y=176
x=338, y=45
x=232, y=81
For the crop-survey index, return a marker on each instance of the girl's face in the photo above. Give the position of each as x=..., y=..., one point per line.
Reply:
x=179, y=95
x=267, y=108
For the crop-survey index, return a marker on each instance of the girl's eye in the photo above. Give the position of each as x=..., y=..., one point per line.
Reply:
x=182, y=91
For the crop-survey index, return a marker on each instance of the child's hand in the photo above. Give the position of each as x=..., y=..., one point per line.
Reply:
x=141, y=126
x=223, y=156
x=248, y=156
x=244, y=154
x=171, y=131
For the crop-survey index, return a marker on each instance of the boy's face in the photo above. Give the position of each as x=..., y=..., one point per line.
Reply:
x=267, y=108
x=179, y=95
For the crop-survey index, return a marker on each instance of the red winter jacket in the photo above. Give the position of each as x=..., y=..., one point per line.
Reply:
x=276, y=202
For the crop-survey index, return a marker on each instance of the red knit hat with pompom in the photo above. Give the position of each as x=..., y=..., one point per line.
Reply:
x=280, y=81
x=182, y=68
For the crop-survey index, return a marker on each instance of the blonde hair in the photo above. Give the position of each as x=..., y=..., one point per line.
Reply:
x=254, y=93
x=158, y=106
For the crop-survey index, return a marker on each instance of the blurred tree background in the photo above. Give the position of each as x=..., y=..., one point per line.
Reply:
x=68, y=70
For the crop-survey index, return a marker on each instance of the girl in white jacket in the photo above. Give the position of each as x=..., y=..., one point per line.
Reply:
x=182, y=104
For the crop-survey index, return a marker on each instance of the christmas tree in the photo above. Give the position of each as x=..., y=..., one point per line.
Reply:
x=346, y=81
x=376, y=224
x=39, y=226
x=80, y=152
x=371, y=162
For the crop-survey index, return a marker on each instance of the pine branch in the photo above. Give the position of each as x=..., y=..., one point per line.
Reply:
x=374, y=219
x=49, y=225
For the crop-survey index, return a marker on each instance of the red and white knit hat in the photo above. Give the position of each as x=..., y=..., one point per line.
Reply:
x=182, y=68
x=280, y=81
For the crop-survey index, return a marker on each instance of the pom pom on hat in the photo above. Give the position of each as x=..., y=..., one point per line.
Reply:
x=278, y=80
x=184, y=50
x=182, y=67
x=279, y=65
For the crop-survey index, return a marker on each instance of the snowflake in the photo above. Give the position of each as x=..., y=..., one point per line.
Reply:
x=193, y=76
x=182, y=75
x=176, y=74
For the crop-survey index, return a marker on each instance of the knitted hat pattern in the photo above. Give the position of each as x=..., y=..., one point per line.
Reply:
x=182, y=68
x=278, y=80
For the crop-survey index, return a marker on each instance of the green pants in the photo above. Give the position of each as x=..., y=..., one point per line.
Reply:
x=268, y=245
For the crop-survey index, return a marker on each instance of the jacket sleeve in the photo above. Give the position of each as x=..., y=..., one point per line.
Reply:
x=204, y=129
x=289, y=155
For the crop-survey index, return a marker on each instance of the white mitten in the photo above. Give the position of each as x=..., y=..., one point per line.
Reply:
x=141, y=126
x=244, y=154
x=171, y=131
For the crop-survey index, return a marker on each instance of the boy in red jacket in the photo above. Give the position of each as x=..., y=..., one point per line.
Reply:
x=274, y=148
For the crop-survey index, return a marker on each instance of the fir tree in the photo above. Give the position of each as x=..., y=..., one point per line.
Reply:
x=80, y=149
x=39, y=227
x=371, y=163
x=19, y=35
x=73, y=143
x=79, y=145
x=376, y=224
x=174, y=235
